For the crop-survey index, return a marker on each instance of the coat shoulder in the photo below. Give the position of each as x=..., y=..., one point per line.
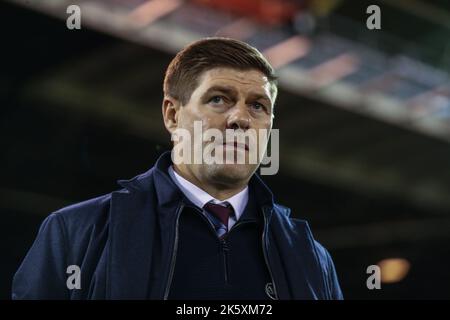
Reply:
x=85, y=209
x=83, y=216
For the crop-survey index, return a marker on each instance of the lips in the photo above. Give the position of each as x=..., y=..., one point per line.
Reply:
x=237, y=145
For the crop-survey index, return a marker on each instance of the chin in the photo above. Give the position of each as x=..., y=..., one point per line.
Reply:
x=230, y=173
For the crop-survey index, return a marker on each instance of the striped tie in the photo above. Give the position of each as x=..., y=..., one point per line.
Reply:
x=219, y=215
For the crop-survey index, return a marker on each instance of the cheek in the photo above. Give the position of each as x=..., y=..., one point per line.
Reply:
x=265, y=124
x=263, y=132
x=213, y=122
x=208, y=118
x=186, y=118
x=191, y=114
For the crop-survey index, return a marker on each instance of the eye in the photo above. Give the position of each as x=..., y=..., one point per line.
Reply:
x=217, y=100
x=259, y=106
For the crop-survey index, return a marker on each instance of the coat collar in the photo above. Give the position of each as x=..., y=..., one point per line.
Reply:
x=142, y=226
x=167, y=191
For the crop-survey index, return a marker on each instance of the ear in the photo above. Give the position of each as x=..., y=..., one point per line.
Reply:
x=170, y=111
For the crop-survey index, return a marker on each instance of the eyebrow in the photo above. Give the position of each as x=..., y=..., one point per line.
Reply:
x=232, y=91
x=223, y=89
x=258, y=96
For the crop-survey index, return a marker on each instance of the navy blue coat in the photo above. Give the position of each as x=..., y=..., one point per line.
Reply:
x=125, y=244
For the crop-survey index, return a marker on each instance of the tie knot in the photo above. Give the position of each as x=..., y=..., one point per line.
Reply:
x=222, y=212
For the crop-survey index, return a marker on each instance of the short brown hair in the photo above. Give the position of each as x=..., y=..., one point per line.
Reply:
x=184, y=70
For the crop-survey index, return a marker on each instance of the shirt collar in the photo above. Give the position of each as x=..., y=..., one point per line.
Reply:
x=199, y=197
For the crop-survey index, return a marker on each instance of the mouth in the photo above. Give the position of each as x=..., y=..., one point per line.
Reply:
x=236, y=145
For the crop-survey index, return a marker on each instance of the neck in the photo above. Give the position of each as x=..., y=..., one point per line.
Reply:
x=218, y=191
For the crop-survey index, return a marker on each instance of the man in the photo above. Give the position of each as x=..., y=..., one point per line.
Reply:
x=188, y=229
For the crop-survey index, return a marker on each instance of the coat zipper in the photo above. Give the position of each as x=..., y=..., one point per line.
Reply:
x=174, y=254
x=225, y=250
x=265, y=256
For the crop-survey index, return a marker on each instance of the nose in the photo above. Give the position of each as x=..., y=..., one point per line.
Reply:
x=239, y=117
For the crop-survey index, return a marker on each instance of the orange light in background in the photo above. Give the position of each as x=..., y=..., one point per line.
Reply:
x=393, y=269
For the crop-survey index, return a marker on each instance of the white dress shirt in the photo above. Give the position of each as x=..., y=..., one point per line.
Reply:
x=199, y=197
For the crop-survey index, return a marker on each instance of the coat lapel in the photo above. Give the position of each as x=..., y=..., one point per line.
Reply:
x=142, y=229
x=132, y=232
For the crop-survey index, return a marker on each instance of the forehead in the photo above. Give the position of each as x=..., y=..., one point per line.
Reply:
x=253, y=80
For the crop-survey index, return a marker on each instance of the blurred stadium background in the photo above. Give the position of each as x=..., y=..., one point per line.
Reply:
x=364, y=119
